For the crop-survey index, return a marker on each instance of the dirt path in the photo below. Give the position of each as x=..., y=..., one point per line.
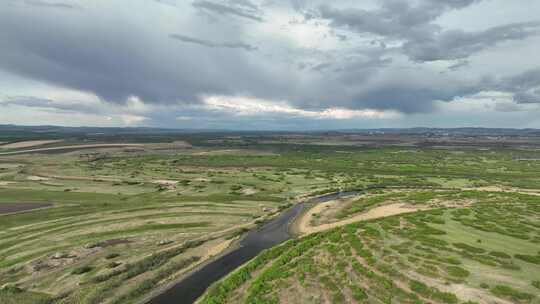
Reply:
x=303, y=224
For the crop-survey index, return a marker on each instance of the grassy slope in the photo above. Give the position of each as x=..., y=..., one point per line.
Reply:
x=488, y=251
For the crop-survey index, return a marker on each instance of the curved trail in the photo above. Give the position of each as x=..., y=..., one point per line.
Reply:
x=271, y=234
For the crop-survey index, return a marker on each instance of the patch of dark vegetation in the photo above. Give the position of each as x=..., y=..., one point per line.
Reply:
x=113, y=264
x=508, y=292
x=108, y=243
x=500, y=254
x=112, y=256
x=11, y=294
x=81, y=270
x=458, y=272
x=535, y=259
x=432, y=293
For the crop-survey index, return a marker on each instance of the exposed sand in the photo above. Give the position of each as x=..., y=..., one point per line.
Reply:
x=165, y=182
x=37, y=178
x=3, y=183
x=29, y=143
x=303, y=225
x=217, y=249
x=249, y=191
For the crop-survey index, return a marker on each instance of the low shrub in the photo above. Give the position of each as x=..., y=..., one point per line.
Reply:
x=112, y=256
x=81, y=270
x=358, y=293
x=504, y=291
x=499, y=254
x=113, y=264
x=534, y=259
x=432, y=293
x=456, y=271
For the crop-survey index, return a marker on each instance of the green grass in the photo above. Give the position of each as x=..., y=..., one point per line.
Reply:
x=12, y=296
x=512, y=294
x=81, y=270
x=440, y=247
x=209, y=198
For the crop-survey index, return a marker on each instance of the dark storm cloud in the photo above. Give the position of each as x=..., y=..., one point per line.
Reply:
x=99, y=65
x=121, y=56
x=458, y=44
x=116, y=60
x=524, y=81
x=242, y=9
x=423, y=39
x=393, y=18
x=525, y=86
x=412, y=98
x=212, y=44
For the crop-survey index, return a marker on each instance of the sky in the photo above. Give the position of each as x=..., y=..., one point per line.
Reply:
x=270, y=64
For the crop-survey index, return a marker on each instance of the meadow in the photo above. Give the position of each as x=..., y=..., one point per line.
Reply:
x=120, y=224
x=485, y=253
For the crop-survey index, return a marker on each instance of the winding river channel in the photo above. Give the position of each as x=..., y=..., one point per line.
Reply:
x=271, y=234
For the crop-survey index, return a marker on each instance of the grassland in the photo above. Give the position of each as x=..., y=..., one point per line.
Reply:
x=126, y=222
x=484, y=253
x=120, y=221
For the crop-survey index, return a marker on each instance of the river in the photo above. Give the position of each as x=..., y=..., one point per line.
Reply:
x=275, y=232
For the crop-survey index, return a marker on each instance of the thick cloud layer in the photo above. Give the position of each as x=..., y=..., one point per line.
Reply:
x=403, y=56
